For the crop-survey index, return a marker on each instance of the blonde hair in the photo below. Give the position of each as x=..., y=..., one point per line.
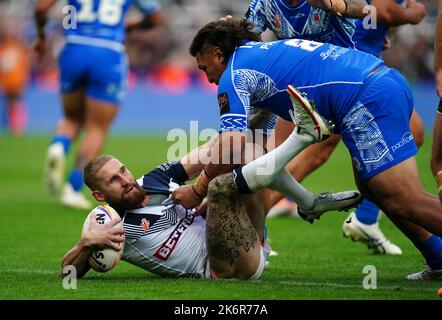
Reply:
x=91, y=169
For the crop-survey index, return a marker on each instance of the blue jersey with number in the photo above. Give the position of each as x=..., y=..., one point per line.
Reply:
x=258, y=74
x=104, y=19
x=93, y=58
x=301, y=21
x=370, y=37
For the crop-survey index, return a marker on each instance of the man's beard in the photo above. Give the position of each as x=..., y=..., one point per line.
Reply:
x=131, y=200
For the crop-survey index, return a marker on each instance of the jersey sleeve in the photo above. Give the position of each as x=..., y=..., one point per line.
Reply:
x=157, y=180
x=256, y=14
x=233, y=105
x=148, y=7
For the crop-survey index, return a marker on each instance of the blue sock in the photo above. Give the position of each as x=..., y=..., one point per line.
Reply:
x=76, y=179
x=64, y=140
x=431, y=249
x=367, y=212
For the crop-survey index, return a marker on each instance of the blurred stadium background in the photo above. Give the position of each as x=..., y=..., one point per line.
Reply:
x=163, y=77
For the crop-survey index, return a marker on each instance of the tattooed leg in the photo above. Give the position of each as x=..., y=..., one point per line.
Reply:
x=232, y=241
x=254, y=204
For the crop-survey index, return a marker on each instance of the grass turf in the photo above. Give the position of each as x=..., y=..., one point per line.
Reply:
x=314, y=261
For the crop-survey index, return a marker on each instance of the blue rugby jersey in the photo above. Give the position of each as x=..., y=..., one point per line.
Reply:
x=371, y=40
x=104, y=19
x=301, y=21
x=258, y=74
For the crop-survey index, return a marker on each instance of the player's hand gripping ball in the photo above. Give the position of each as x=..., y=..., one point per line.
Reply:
x=103, y=259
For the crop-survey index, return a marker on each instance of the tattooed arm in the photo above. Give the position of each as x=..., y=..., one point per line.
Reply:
x=346, y=8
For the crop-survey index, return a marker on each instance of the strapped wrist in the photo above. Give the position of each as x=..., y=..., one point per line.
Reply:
x=338, y=7
x=201, y=184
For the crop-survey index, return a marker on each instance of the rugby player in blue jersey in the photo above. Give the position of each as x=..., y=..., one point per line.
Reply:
x=93, y=75
x=369, y=104
x=318, y=21
x=363, y=224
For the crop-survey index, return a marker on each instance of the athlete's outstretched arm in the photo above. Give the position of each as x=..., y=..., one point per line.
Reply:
x=346, y=8
x=195, y=161
x=225, y=155
x=393, y=14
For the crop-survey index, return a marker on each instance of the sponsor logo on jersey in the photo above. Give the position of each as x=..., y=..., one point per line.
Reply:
x=166, y=249
x=223, y=102
x=406, y=138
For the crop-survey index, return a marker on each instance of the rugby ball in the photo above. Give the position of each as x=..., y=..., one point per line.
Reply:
x=102, y=259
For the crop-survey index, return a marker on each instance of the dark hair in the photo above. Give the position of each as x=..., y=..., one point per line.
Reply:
x=91, y=169
x=225, y=34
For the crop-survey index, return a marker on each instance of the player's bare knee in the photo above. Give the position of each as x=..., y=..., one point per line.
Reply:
x=221, y=186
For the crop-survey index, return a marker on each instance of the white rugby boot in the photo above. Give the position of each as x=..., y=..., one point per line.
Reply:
x=340, y=201
x=268, y=252
x=426, y=274
x=74, y=199
x=54, y=168
x=306, y=118
x=371, y=235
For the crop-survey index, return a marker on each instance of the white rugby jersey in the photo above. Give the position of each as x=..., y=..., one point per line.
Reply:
x=167, y=240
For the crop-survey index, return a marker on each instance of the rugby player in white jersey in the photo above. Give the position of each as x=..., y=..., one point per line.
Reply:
x=171, y=241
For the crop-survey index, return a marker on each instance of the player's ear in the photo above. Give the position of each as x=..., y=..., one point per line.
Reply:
x=98, y=195
x=219, y=55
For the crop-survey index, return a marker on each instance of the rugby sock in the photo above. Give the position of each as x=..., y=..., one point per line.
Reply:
x=287, y=185
x=431, y=249
x=76, y=179
x=367, y=212
x=260, y=172
x=64, y=140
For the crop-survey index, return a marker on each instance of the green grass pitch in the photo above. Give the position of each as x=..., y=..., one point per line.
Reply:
x=314, y=261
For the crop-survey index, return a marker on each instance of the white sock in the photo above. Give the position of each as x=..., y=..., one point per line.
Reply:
x=261, y=172
x=287, y=185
